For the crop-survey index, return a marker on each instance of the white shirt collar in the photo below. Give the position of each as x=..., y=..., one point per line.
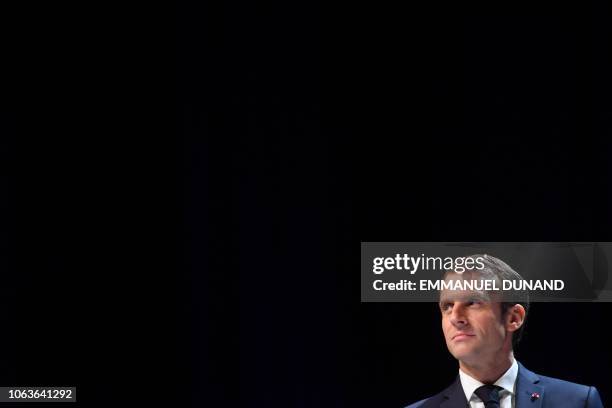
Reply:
x=506, y=381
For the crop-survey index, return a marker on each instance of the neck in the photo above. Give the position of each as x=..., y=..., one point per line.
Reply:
x=490, y=371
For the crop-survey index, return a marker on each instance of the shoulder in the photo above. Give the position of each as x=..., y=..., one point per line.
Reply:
x=562, y=385
x=417, y=404
x=454, y=392
x=567, y=388
x=564, y=393
x=427, y=402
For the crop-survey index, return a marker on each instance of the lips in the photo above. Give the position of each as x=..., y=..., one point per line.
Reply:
x=462, y=336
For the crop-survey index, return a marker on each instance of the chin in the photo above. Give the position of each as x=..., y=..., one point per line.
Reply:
x=462, y=354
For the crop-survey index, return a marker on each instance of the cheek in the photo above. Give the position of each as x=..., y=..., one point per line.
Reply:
x=445, y=326
x=490, y=326
x=502, y=331
x=496, y=331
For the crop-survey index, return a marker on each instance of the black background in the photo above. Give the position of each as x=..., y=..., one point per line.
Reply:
x=185, y=191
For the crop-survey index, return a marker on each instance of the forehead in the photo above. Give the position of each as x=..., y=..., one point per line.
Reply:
x=463, y=296
x=447, y=295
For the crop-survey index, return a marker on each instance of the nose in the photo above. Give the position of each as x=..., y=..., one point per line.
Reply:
x=457, y=317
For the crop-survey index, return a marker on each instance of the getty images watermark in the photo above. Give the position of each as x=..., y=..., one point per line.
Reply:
x=459, y=265
x=551, y=272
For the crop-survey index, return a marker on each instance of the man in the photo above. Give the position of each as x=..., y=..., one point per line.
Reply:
x=481, y=330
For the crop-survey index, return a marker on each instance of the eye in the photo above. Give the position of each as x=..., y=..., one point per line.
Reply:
x=446, y=306
x=474, y=303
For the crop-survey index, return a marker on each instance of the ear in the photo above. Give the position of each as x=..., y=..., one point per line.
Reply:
x=515, y=317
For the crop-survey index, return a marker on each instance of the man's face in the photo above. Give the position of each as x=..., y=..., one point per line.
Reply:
x=472, y=324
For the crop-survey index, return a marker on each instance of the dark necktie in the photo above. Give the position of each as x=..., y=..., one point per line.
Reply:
x=489, y=394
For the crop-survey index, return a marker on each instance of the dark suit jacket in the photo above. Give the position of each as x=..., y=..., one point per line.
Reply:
x=553, y=393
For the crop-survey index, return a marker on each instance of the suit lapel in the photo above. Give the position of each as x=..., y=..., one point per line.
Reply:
x=453, y=396
x=528, y=393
